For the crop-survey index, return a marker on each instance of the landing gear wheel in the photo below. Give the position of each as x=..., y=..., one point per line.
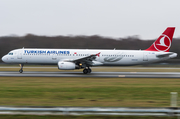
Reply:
x=85, y=71
x=20, y=71
x=89, y=70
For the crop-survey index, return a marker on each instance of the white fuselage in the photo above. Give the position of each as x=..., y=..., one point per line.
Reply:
x=105, y=57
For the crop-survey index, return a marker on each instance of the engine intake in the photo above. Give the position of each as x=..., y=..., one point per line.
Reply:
x=67, y=65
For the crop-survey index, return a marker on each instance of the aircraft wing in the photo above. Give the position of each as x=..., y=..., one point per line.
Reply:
x=88, y=60
x=85, y=61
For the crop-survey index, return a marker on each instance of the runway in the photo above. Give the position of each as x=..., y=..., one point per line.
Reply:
x=93, y=74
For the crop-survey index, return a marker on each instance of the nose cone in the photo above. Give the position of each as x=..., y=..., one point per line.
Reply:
x=4, y=58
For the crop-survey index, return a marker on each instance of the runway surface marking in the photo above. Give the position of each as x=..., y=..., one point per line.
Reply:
x=93, y=74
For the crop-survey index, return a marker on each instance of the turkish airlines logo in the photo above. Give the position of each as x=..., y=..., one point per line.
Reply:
x=163, y=43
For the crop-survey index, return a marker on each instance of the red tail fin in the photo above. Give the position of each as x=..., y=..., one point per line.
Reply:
x=163, y=43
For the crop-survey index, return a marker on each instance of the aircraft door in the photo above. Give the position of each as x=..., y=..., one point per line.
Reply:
x=145, y=56
x=19, y=55
x=54, y=56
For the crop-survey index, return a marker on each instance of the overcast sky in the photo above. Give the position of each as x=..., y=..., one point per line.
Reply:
x=112, y=18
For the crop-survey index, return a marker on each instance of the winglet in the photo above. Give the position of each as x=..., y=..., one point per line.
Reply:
x=98, y=54
x=163, y=43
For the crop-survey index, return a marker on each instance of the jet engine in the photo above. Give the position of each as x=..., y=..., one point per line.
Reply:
x=67, y=65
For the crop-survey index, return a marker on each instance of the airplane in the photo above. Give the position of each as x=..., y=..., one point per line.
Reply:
x=71, y=59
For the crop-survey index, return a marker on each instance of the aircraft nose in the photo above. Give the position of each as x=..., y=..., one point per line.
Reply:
x=3, y=58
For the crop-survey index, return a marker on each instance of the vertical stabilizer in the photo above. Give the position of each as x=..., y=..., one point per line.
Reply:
x=163, y=43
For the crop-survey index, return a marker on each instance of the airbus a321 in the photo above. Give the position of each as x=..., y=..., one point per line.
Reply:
x=70, y=59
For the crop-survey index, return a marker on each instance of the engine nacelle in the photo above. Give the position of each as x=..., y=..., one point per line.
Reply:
x=66, y=65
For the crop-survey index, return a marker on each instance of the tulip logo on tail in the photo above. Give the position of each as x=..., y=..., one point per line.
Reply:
x=163, y=43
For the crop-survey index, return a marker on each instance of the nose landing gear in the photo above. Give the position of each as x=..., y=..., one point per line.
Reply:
x=88, y=70
x=21, y=70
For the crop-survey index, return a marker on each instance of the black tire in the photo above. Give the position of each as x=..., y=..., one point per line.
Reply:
x=85, y=71
x=20, y=71
x=89, y=70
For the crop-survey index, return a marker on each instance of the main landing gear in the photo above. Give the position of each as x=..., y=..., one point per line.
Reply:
x=87, y=70
x=21, y=70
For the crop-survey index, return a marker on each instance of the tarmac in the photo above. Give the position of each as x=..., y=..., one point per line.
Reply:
x=93, y=74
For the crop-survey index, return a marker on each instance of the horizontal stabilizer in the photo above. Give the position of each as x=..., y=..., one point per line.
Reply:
x=164, y=54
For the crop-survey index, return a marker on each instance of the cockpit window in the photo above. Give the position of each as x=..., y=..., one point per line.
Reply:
x=10, y=53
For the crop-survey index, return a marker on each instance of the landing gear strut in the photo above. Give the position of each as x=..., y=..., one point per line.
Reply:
x=88, y=70
x=21, y=70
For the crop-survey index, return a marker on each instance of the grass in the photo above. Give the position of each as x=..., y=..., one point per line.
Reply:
x=107, y=92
